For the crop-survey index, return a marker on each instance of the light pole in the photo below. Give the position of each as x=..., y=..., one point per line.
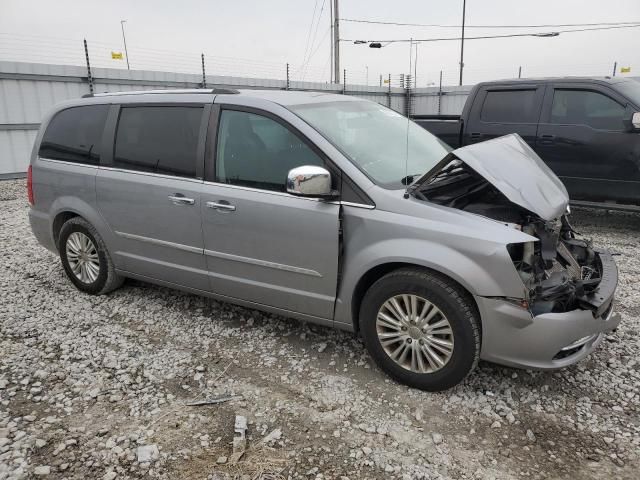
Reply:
x=124, y=39
x=367, y=68
x=336, y=42
x=464, y=8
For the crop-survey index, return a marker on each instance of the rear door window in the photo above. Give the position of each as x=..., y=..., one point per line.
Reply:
x=75, y=135
x=510, y=106
x=586, y=107
x=158, y=139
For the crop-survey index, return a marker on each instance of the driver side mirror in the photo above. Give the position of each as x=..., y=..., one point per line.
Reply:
x=309, y=181
x=635, y=122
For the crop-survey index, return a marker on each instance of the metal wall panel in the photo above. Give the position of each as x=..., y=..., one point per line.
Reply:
x=15, y=151
x=452, y=100
x=29, y=90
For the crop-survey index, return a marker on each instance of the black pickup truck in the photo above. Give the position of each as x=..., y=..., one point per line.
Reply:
x=586, y=129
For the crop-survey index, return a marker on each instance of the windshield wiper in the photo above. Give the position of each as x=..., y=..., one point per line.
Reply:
x=408, y=180
x=450, y=171
x=435, y=171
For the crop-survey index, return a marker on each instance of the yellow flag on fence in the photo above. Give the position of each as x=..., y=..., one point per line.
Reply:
x=625, y=69
x=386, y=80
x=116, y=55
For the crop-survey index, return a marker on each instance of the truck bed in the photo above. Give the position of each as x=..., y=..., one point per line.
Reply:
x=447, y=128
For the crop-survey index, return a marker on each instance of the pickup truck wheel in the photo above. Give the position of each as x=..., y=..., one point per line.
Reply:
x=421, y=328
x=85, y=258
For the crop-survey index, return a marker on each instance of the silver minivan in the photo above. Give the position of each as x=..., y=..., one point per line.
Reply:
x=329, y=209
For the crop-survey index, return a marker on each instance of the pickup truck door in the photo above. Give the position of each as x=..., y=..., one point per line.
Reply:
x=502, y=109
x=583, y=139
x=263, y=245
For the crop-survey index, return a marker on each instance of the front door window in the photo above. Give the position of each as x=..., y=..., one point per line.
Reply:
x=258, y=152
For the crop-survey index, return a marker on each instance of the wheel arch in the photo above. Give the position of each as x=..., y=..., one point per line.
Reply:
x=67, y=207
x=378, y=271
x=59, y=220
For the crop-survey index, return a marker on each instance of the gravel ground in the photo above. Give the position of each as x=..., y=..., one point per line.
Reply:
x=96, y=388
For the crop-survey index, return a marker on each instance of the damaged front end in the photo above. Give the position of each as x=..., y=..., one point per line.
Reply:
x=503, y=179
x=562, y=272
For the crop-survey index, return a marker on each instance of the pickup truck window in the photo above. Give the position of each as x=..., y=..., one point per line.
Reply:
x=255, y=151
x=376, y=139
x=586, y=107
x=630, y=89
x=509, y=106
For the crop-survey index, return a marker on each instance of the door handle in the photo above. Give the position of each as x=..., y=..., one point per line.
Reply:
x=180, y=199
x=547, y=139
x=221, y=205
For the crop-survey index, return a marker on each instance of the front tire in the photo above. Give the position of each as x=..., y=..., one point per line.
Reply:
x=421, y=328
x=85, y=258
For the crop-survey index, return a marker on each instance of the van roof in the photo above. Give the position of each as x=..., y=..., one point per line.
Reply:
x=282, y=97
x=177, y=90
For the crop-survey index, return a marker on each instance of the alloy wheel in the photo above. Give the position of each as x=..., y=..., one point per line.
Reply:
x=415, y=333
x=82, y=256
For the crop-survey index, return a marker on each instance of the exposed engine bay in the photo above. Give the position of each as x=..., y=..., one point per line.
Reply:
x=560, y=271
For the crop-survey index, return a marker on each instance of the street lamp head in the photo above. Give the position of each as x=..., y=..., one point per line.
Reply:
x=359, y=42
x=546, y=34
x=375, y=45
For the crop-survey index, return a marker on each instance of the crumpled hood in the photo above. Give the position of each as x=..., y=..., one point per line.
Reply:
x=511, y=166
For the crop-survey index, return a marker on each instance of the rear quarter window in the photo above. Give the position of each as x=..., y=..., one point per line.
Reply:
x=75, y=135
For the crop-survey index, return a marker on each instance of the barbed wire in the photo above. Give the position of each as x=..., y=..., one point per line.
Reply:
x=68, y=51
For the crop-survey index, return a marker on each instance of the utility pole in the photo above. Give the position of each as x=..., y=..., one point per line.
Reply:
x=615, y=67
x=464, y=9
x=336, y=42
x=367, y=75
x=331, y=42
x=440, y=94
x=415, y=69
x=124, y=39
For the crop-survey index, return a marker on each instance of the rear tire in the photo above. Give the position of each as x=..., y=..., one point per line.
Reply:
x=421, y=328
x=85, y=258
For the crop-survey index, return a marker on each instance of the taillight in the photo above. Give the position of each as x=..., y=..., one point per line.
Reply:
x=30, y=186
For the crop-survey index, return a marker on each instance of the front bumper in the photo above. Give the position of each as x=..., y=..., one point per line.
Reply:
x=512, y=336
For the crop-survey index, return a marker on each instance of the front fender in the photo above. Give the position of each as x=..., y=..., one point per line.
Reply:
x=476, y=259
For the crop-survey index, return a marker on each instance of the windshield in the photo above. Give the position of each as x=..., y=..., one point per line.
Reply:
x=375, y=139
x=631, y=90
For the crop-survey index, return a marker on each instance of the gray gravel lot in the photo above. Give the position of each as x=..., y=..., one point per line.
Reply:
x=85, y=382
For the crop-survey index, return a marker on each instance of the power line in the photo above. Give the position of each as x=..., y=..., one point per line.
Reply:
x=313, y=39
x=318, y=46
x=379, y=22
x=547, y=34
x=313, y=17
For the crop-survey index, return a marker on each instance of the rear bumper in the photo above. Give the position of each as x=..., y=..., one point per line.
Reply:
x=512, y=336
x=41, y=228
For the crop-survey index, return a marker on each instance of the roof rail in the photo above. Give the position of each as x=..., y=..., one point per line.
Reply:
x=220, y=91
